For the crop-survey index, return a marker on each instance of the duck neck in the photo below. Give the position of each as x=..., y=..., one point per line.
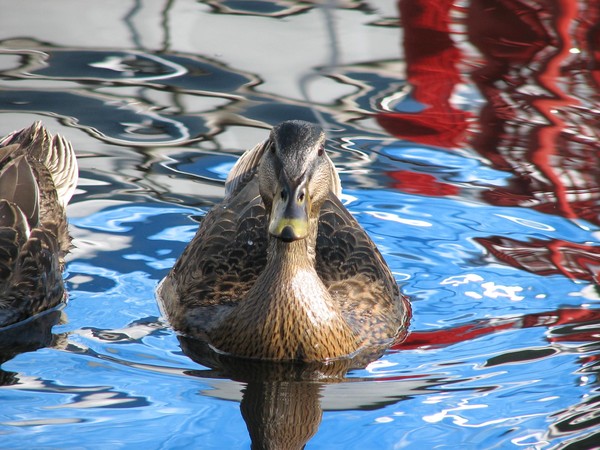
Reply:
x=290, y=276
x=285, y=258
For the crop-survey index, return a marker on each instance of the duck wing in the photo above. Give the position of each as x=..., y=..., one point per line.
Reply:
x=51, y=157
x=52, y=161
x=14, y=232
x=356, y=276
x=38, y=174
x=18, y=184
x=30, y=267
x=345, y=250
x=227, y=253
x=244, y=170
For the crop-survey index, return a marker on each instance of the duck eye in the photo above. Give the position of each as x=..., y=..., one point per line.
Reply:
x=272, y=148
x=283, y=195
x=321, y=150
x=301, y=197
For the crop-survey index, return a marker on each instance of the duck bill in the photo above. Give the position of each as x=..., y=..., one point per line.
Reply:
x=289, y=217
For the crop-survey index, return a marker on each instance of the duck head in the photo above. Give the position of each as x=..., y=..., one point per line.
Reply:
x=295, y=178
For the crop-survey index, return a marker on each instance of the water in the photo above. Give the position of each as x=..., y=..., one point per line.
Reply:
x=469, y=152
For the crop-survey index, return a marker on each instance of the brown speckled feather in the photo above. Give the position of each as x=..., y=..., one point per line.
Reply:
x=356, y=275
x=38, y=174
x=227, y=254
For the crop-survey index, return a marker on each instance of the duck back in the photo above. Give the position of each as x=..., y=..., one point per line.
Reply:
x=38, y=175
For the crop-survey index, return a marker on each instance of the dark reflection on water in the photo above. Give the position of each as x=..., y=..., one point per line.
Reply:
x=581, y=419
x=27, y=336
x=102, y=100
x=281, y=402
x=258, y=8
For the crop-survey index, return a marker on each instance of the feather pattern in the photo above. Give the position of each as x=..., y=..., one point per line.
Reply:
x=38, y=175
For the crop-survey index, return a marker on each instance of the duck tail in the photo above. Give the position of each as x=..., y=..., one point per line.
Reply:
x=54, y=153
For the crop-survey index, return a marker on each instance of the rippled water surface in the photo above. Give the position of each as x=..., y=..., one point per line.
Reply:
x=467, y=139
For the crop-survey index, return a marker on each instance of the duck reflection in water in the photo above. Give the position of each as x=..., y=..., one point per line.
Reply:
x=281, y=402
x=38, y=175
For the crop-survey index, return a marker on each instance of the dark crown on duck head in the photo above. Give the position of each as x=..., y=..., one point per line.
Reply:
x=294, y=141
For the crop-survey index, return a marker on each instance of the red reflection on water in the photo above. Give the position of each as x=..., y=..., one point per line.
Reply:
x=421, y=183
x=538, y=70
x=431, y=59
x=533, y=124
x=479, y=328
x=577, y=261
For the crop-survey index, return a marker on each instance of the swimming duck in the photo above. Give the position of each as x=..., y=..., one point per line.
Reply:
x=38, y=175
x=280, y=270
